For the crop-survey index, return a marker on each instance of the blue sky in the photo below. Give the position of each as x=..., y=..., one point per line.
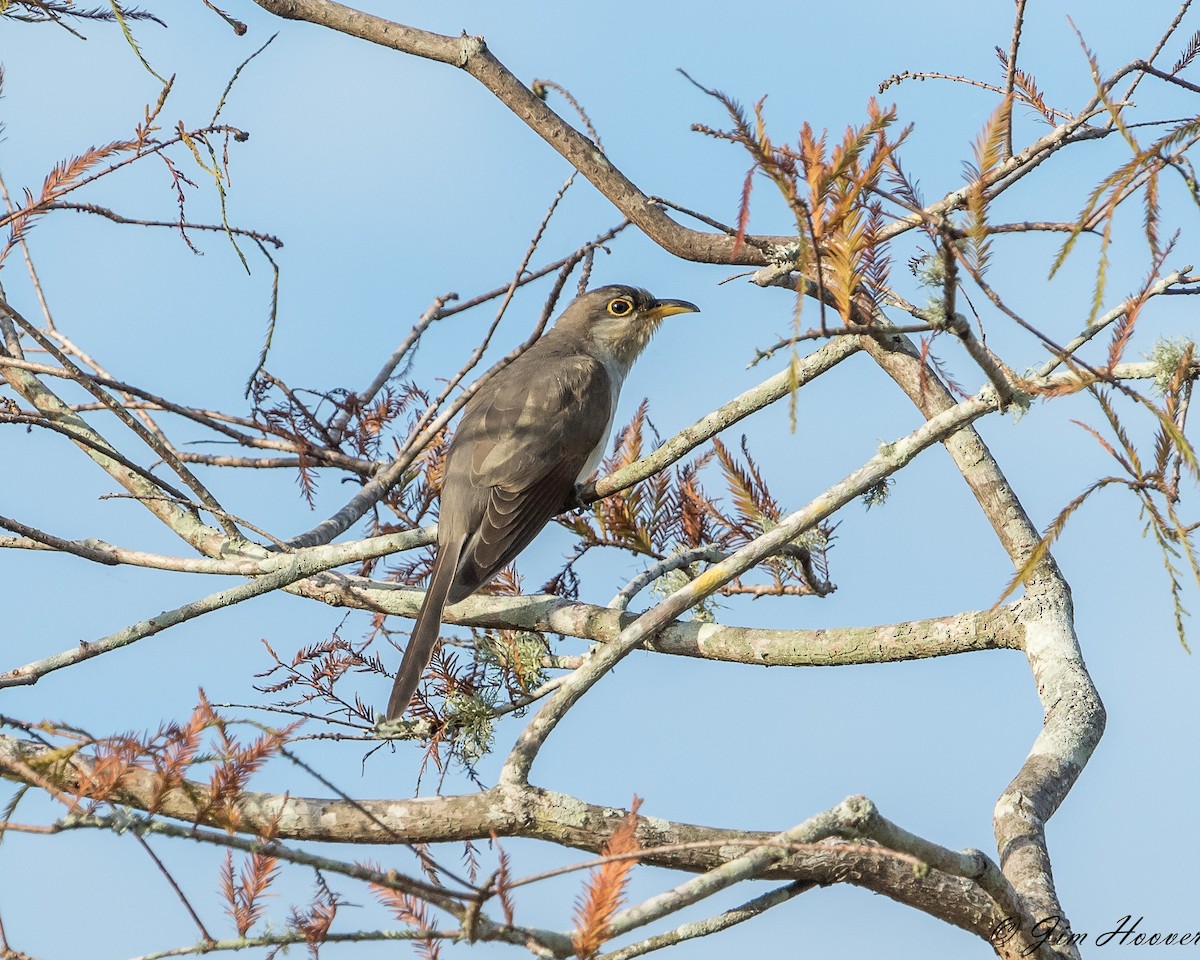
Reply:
x=392, y=181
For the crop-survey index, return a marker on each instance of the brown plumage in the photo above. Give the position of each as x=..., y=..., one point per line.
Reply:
x=526, y=439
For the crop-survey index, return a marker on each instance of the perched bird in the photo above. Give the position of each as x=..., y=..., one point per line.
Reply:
x=527, y=438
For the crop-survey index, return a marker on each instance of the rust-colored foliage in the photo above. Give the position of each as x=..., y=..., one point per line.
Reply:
x=1155, y=486
x=154, y=767
x=1190, y=51
x=334, y=426
x=414, y=913
x=930, y=362
x=798, y=569
x=1124, y=327
x=67, y=175
x=1140, y=172
x=232, y=766
x=314, y=921
x=502, y=882
x=1025, y=90
x=314, y=670
x=605, y=890
x=245, y=894
x=830, y=191
x=989, y=154
x=79, y=171
x=671, y=512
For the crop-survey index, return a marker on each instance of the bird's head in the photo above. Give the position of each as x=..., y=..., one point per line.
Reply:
x=618, y=320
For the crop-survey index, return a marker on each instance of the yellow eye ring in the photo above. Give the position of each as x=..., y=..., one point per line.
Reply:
x=620, y=307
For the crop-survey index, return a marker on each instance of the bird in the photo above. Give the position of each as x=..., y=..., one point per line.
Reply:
x=527, y=438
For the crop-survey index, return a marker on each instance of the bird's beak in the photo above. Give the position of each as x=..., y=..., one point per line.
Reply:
x=665, y=308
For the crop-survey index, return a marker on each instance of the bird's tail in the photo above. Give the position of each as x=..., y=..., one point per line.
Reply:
x=419, y=651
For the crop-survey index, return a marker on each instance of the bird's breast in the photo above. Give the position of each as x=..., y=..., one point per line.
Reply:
x=616, y=378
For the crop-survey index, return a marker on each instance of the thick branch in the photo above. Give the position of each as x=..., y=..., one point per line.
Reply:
x=1074, y=714
x=835, y=646
x=527, y=811
x=892, y=458
x=472, y=55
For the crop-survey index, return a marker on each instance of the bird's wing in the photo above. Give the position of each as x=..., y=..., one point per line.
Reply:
x=517, y=455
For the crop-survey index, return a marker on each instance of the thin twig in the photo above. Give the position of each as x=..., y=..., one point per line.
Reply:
x=1161, y=286
x=179, y=224
x=1162, y=42
x=1010, y=77
x=293, y=567
x=204, y=934
x=212, y=419
x=680, y=560
x=88, y=383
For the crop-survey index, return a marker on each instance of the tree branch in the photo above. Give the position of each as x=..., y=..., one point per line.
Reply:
x=472, y=55
x=185, y=523
x=893, y=457
x=1074, y=720
x=968, y=632
x=526, y=811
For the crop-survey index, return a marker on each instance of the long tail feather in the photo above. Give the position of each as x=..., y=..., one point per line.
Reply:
x=424, y=637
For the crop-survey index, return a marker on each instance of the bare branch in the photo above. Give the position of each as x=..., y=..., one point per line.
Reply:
x=895, y=456
x=472, y=55
x=291, y=567
x=1010, y=76
x=185, y=523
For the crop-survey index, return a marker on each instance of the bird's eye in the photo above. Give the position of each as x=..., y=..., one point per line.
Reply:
x=620, y=307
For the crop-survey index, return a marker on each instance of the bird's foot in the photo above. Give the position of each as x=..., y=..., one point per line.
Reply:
x=575, y=499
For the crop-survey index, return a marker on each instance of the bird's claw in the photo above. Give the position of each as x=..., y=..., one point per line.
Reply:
x=575, y=499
